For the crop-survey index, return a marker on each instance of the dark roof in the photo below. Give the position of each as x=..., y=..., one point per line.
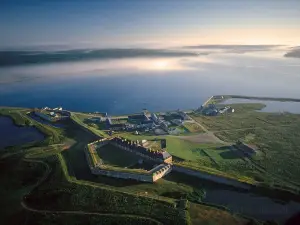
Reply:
x=137, y=117
x=118, y=125
x=147, y=121
x=108, y=121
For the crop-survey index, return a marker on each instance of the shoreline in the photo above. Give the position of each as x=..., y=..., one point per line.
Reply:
x=278, y=99
x=216, y=98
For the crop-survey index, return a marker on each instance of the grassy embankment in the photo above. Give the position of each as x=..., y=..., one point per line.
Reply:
x=62, y=191
x=193, y=127
x=212, y=158
x=53, y=135
x=80, y=193
x=276, y=135
x=78, y=118
x=251, y=126
x=109, y=157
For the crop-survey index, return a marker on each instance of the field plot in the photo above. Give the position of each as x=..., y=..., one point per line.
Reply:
x=193, y=127
x=205, y=156
x=277, y=136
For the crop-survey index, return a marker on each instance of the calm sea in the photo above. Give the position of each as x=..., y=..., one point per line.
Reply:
x=120, y=89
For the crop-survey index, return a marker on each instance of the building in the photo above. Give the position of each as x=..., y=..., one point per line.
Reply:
x=226, y=109
x=177, y=122
x=137, y=148
x=52, y=115
x=148, y=123
x=114, y=126
x=154, y=118
x=183, y=115
x=211, y=112
x=164, y=126
x=138, y=117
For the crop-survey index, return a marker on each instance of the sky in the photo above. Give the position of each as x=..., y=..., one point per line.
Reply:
x=148, y=23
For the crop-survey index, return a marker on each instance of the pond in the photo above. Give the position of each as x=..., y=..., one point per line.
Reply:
x=12, y=135
x=238, y=201
x=253, y=205
x=271, y=106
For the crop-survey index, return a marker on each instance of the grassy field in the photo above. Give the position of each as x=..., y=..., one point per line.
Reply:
x=193, y=127
x=16, y=179
x=216, y=158
x=276, y=135
x=116, y=157
x=71, y=186
x=205, y=215
x=79, y=219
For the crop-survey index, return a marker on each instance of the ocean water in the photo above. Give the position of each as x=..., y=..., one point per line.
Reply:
x=271, y=106
x=120, y=87
x=13, y=135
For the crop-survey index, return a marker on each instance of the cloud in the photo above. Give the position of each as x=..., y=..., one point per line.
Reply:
x=234, y=48
x=294, y=52
x=13, y=58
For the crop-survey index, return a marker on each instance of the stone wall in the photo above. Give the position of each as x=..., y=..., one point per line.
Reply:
x=137, y=153
x=162, y=172
x=122, y=175
x=211, y=177
x=99, y=169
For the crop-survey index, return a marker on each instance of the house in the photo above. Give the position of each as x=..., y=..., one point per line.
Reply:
x=154, y=118
x=218, y=97
x=114, y=126
x=53, y=114
x=164, y=126
x=138, y=117
x=148, y=123
x=177, y=122
x=226, y=109
x=211, y=112
x=183, y=115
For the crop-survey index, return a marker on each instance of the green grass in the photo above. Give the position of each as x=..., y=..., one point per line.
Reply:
x=16, y=179
x=217, y=158
x=61, y=194
x=206, y=215
x=276, y=135
x=71, y=186
x=78, y=118
x=116, y=157
x=55, y=219
x=193, y=127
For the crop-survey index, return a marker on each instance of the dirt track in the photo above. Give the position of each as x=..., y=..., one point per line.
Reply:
x=208, y=137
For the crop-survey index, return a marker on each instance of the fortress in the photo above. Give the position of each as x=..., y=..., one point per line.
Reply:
x=97, y=166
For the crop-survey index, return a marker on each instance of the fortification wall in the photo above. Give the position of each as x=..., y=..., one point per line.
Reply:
x=99, y=169
x=211, y=177
x=162, y=172
x=137, y=153
x=100, y=143
x=122, y=175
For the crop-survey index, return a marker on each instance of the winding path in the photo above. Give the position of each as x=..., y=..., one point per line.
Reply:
x=45, y=176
